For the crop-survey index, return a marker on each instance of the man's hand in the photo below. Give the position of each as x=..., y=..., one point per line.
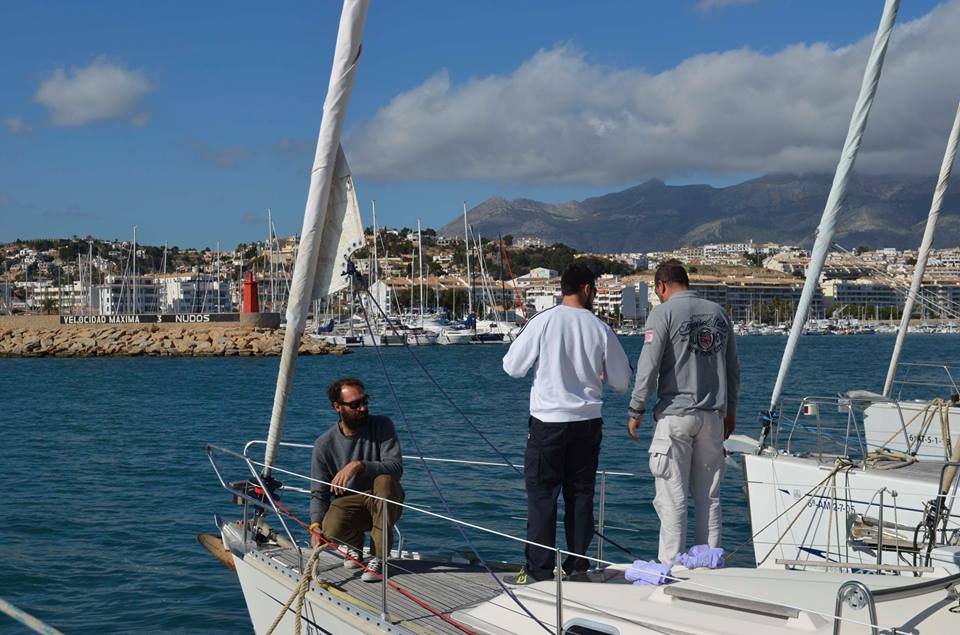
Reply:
x=633, y=427
x=341, y=478
x=729, y=425
x=315, y=538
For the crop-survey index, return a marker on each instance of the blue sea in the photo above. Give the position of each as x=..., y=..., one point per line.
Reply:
x=108, y=483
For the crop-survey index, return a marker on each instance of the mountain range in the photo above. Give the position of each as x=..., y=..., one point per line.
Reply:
x=879, y=211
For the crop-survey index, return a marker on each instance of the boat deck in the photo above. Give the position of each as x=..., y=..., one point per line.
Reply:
x=445, y=586
x=923, y=471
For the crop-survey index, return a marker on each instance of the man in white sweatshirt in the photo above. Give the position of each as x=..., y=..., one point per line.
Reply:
x=573, y=353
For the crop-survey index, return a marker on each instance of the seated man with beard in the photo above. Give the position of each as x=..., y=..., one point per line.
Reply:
x=360, y=453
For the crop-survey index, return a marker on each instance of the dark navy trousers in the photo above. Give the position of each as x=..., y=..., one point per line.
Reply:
x=560, y=457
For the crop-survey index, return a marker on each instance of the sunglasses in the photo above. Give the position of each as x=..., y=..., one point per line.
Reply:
x=356, y=403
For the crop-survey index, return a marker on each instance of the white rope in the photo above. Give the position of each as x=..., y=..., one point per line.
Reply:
x=299, y=594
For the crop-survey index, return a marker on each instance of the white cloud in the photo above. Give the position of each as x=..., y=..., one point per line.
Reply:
x=98, y=92
x=560, y=118
x=17, y=125
x=706, y=5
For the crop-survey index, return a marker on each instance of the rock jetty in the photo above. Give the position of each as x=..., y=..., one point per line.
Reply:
x=151, y=341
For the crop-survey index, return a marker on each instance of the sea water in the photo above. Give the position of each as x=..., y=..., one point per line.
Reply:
x=107, y=482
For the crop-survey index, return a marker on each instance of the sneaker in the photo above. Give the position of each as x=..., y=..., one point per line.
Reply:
x=527, y=577
x=374, y=569
x=352, y=558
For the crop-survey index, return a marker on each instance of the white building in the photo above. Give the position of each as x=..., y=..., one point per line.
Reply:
x=193, y=293
x=620, y=301
x=542, y=296
x=126, y=295
x=537, y=276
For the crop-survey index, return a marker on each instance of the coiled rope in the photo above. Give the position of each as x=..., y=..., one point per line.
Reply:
x=299, y=595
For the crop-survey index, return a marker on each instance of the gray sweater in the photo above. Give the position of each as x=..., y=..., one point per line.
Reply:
x=690, y=356
x=375, y=444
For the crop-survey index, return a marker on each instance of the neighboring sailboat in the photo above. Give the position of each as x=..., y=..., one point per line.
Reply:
x=852, y=509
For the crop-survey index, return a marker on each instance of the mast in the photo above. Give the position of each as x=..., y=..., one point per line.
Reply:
x=374, y=274
x=838, y=190
x=90, y=275
x=216, y=284
x=134, y=269
x=466, y=244
x=420, y=267
x=946, y=168
x=326, y=160
x=273, y=298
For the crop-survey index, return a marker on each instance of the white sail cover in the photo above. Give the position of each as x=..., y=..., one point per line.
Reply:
x=340, y=236
x=331, y=224
x=324, y=217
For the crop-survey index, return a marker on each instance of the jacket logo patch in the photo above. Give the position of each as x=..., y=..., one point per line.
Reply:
x=648, y=336
x=705, y=333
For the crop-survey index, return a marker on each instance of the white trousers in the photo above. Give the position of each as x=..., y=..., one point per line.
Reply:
x=686, y=457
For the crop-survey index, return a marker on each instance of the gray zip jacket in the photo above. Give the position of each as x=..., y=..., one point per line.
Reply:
x=690, y=356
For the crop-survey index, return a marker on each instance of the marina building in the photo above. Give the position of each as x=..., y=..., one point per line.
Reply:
x=862, y=292
x=621, y=301
x=192, y=293
x=65, y=297
x=125, y=295
x=749, y=298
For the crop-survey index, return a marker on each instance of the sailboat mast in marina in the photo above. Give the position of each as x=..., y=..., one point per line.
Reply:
x=838, y=191
x=946, y=169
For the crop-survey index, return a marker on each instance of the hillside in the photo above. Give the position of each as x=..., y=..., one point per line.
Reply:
x=880, y=211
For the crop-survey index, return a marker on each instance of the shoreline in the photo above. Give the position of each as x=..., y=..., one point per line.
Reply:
x=152, y=341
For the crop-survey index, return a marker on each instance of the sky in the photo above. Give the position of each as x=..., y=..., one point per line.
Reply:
x=190, y=121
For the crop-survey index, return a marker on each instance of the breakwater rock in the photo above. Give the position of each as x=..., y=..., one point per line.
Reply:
x=151, y=341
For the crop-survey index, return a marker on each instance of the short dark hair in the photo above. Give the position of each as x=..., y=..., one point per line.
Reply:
x=333, y=390
x=671, y=271
x=575, y=276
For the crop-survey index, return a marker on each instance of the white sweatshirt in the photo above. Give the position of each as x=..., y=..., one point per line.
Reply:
x=574, y=353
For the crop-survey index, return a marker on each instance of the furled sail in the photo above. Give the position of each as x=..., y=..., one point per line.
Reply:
x=342, y=234
x=946, y=168
x=838, y=190
x=331, y=221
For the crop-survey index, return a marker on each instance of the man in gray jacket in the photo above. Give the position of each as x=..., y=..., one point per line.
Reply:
x=361, y=453
x=690, y=355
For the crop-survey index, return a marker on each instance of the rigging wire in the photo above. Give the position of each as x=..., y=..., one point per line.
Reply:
x=672, y=578
x=439, y=387
x=924, y=297
x=352, y=270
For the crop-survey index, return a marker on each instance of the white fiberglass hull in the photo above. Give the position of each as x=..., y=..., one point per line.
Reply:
x=723, y=602
x=266, y=588
x=449, y=337
x=800, y=511
x=911, y=426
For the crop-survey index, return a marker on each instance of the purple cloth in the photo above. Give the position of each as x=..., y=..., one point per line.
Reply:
x=652, y=572
x=702, y=556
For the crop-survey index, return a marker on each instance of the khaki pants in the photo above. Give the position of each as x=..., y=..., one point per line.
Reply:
x=350, y=516
x=686, y=457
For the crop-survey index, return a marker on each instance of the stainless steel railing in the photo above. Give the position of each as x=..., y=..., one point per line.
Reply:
x=253, y=466
x=857, y=595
